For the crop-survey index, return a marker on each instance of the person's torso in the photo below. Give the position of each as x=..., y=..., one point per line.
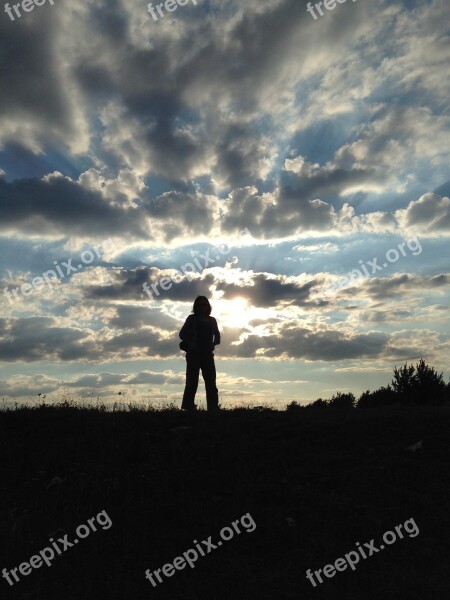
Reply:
x=204, y=330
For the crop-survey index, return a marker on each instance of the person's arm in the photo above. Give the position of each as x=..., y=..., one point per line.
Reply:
x=216, y=332
x=186, y=332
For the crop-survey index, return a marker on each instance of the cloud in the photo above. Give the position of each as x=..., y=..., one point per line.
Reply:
x=37, y=338
x=430, y=214
x=295, y=341
x=128, y=284
x=267, y=291
x=182, y=215
x=38, y=104
x=57, y=204
x=385, y=287
x=329, y=135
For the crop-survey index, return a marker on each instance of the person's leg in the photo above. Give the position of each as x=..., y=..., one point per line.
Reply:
x=209, y=375
x=192, y=372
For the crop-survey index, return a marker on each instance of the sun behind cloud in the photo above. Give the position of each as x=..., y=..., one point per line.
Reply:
x=232, y=313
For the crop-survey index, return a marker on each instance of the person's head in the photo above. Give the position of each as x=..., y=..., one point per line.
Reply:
x=201, y=306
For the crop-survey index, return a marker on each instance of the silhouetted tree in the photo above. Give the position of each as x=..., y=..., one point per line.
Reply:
x=342, y=400
x=403, y=383
x=411, y=385
x=293, y=406
x=431, y=388
x=319, y=403
x=384, y=396
x=419, y=385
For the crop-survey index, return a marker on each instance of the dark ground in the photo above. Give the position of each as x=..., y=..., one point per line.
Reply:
x=343, y=476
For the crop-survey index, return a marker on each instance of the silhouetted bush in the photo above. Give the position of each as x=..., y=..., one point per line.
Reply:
x=339, y=400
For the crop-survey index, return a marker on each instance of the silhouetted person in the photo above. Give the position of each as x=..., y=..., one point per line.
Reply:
x=200, y=335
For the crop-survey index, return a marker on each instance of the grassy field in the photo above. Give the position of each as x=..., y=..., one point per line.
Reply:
x=340, y=476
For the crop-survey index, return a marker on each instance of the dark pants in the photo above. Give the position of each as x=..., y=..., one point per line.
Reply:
x=205, y=362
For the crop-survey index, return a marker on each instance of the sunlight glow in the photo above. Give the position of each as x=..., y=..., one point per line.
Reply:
x=232, y=313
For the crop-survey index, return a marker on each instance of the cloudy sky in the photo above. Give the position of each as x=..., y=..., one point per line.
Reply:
x=131, y=147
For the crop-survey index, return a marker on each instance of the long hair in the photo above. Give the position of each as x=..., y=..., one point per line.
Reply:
x=201, y=300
